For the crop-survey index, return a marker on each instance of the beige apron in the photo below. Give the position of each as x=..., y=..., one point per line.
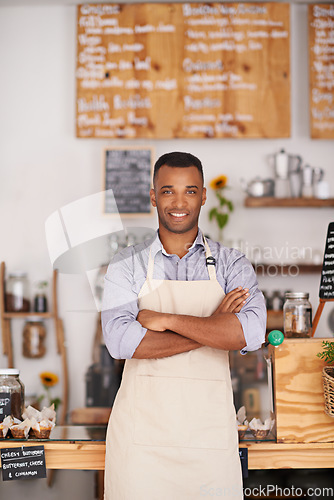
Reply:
x=172, y=433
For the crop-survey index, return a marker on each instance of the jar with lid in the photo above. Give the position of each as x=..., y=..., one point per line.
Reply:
x=11, y=394
x=40, y=300
x=17, y=293
x=297, y=315
x=34, y=334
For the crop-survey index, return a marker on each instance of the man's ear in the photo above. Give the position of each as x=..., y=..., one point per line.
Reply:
x=152, y=196
x=203, y=196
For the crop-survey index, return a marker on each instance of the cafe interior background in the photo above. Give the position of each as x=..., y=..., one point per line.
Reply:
x=44, y=166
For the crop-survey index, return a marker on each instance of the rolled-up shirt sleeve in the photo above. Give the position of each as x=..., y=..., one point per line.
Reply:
x=122, y=333
x=253, y=315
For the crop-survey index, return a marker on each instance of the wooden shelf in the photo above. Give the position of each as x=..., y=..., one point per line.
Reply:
x=294, y=269
x=271, y=201
x=12, y=315
x=6, y=318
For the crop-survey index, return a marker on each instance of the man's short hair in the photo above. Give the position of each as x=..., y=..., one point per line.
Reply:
x=180, y=160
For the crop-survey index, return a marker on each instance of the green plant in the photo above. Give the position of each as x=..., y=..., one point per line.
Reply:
x=327, y=353
x=49, y=380
x=41, y=285
x=225, y=206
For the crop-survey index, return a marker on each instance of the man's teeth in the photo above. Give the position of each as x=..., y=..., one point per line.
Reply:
x=178, y=215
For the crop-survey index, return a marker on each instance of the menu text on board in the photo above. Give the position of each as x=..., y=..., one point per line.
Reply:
x=23, y=463
x=183, y=70
x=327, y=274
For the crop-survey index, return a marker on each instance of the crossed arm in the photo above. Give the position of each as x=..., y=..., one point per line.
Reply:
x=169, y=334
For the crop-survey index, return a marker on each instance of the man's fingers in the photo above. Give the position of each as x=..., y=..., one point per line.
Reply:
x=233, y=296
x=238, y=309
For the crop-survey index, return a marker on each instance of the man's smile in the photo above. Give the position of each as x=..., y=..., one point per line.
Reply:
x=178, y=216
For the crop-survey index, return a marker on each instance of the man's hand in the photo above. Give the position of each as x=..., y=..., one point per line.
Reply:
x=152, y=320
x=233, y=301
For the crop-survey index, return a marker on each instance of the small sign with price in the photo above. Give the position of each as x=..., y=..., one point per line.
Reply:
x=23, y=463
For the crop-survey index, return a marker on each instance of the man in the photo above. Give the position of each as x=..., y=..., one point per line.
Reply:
x=174, y=307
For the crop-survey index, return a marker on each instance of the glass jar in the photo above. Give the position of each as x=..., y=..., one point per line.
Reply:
x=40, y=303
x=40, y=300
x=297, y=315
x=17, y=293
x=34, y=334
x=11, y=394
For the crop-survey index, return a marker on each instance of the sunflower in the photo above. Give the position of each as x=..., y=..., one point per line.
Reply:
x=218, y=182
x=49, y=379
x=221, y=212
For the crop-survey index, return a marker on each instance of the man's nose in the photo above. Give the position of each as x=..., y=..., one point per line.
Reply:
x=180, y=200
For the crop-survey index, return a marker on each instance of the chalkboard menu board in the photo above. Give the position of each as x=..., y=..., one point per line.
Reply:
x=321, y=61
x=23, y=463
x=327, y=274
x=127, y=180
x=190, y=70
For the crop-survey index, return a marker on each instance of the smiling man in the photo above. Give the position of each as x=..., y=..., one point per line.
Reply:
x=173, y=308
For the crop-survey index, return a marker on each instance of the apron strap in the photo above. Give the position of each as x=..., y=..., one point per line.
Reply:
x=210, y=261
x=150, y=266
x=210, y=265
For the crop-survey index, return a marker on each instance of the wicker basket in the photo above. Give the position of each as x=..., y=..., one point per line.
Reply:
x=328, y=382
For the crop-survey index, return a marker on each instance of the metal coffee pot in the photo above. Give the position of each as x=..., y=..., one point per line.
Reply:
x=285, y=163
x=258, y=187
x=288, y=174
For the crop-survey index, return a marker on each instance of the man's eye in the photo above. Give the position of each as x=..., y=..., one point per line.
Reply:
x=166, y=191
x=191, y=191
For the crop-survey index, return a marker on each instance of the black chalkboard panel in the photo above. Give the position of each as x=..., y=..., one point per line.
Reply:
x=127, y=180
x=23, y=463
x=5, y=405
x=327, y=274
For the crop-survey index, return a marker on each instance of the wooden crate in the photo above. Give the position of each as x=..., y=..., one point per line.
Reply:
x=298, y=393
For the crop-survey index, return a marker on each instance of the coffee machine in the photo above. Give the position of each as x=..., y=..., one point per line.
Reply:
x=103, y=380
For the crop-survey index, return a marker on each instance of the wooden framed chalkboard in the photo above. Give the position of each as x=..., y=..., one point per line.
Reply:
x=321, y=63
x=326, y=290
x=188, y=70
x=127, y=178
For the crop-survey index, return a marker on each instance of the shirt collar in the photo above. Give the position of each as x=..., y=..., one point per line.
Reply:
x=158, y=247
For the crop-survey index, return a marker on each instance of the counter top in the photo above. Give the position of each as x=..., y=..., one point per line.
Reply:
x=83, y=447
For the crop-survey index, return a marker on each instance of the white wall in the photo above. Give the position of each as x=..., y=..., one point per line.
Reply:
x=43, y=166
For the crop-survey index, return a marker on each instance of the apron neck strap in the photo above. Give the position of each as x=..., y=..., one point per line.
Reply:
x=210, y=262
x=150, y=265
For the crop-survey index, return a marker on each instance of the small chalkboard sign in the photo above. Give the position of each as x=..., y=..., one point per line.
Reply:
x=243, y=454
x=326, y=290
x=23, y=463
x=5, y=405
x=327, y=274
x=127, y=180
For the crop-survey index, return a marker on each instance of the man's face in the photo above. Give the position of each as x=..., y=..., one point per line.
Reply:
x=178, y=195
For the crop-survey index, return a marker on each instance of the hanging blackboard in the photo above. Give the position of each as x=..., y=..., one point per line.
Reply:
x=23, y=463
x=327, y=274
x=127, y=180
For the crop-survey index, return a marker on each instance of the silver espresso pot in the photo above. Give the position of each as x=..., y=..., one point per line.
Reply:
x=284, y=163
x=258, y=187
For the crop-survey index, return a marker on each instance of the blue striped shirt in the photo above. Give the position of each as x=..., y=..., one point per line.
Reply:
x=126, y=275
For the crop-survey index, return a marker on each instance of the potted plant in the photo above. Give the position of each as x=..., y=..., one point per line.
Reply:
x=327, y=354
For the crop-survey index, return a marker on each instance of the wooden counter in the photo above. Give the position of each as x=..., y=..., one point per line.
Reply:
x=305, y=434
x=89, y=455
